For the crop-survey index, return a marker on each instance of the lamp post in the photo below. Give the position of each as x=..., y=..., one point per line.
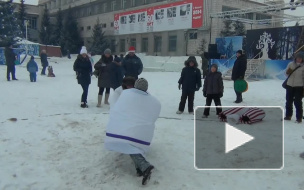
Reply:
x=26, y=22
x=46, y=40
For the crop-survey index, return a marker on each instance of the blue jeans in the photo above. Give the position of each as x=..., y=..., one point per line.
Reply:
x=33, y=77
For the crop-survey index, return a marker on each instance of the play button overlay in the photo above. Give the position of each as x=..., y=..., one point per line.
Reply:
x=235, y=138
x=245, y=142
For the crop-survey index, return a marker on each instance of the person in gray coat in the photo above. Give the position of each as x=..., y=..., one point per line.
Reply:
x=213, y=90
x=103, y=71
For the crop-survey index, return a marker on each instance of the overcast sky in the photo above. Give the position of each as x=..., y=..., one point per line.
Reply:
x=298, y=12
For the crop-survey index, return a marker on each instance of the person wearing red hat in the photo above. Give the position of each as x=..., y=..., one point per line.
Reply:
x=132, y=64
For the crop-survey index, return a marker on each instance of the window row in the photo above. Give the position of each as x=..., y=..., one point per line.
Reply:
x=102, y=25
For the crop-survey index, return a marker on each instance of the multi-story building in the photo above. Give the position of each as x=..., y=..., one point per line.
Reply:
x=155, y=27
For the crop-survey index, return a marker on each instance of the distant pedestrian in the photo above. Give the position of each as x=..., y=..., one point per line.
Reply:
x=68, y=53
x=132, y=64
x=32, y=68
x=102, y=70
x=238, y=72
x=121, y=57
x=83, y=69
x=44, y=61
x=116, y=73
x=190, y=81
x=10, y=58
x=205, y=66
x=213, y=90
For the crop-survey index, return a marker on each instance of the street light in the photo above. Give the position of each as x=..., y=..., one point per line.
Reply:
x=46, y=40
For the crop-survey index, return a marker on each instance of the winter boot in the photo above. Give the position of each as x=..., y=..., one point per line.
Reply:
x=147, y=175
x=84, y=105
x=139, y=173
x=99, y=101
x=106, y=99
x=287, y=118
x=179, y=112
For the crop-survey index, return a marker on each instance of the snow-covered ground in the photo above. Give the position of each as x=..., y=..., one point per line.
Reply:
x=54, y=144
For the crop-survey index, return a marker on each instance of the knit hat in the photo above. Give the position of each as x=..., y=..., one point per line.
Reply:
x=107, y=51
x=141, y=84
x=240, y=52
x=191, y=58
x=83, y=50
x=132, y=49
x=215, y=66
x=117, y=59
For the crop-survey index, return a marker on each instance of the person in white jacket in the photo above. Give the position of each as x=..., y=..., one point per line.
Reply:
x=131, y=126
x=127, y=83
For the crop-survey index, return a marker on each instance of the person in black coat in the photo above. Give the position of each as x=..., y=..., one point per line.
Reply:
x=44, y=61
x=83, y=69
x=213, y=90
x=190, y=81
x=132, y=64
x=102, y=70
x=238, y=72
x=116, y=73
x=10, y=58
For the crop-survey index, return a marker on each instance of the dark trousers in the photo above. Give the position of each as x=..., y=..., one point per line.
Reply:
x=140, y=162
x=101, y=89
x=294, y=95
x=33, y=77
x=239, y=96
x=43, y=70
x=10, y=70
x=85, y=88
x=217, y=102
x=190, y=96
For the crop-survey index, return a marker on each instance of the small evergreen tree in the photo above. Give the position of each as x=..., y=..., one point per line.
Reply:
x=57, y=37
x=46, y=29
x=72, y=38
x=100, y=43
x=202, y=47
x=9, y=26
x=239, y=28
x=22, y=18
x=227, y=29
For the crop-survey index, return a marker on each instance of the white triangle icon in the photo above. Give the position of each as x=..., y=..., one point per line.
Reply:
x=235, y=138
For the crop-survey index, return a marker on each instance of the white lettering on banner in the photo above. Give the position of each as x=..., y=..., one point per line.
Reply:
x=198, y=17
x=196, y=12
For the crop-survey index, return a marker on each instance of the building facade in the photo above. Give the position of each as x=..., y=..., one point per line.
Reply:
x=167, y=42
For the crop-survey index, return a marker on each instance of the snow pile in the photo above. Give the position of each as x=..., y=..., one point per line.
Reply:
x=54, y=144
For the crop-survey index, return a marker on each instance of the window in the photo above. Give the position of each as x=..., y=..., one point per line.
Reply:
x=193, y=35
x=145, y=2
x=172, y=43
x=104, y=25
x=89, y=12
x=113, y=5
x=88, y=27
x=105, y=6
x=157, y=43
x=123, y=4
x=132, y=3
x=122, y=44
x=81, y=28
x=144, y=45
x=262, y=17
x=112, y=24
x=133, y=42
x=32, y=23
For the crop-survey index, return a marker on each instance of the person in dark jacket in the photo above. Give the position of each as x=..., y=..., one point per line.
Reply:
x=205, y=66
x=213, y=90
x=32, y=68
x=83, y=69
x=238, y=72
x=102, y=70
x=121, y=57
x=10, y=58
x=44, y=61
x=190, y=81
x=132, y=64
x=116, y=73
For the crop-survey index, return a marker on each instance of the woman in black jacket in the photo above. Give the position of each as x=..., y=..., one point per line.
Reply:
x=102, y=70
x=83, y=69
x=238, y=72
x=213, y=90
x=116, y=73
x=190, y=81
x=44, y=61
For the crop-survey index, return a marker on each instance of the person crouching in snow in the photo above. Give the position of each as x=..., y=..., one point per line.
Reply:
x=213, y=90
x=127, y=83
x=190, y=81
x=131, y=126
x=32, y=68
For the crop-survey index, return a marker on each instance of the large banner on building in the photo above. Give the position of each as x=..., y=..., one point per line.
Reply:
x=174, y=16
x=273, y=43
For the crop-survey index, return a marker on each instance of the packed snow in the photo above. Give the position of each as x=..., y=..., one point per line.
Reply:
x=49, y=142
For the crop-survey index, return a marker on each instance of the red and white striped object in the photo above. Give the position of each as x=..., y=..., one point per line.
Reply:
x=238, y=110
x=253, y=115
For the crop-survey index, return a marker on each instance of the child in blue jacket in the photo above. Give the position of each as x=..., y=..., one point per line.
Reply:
x=32, y=68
